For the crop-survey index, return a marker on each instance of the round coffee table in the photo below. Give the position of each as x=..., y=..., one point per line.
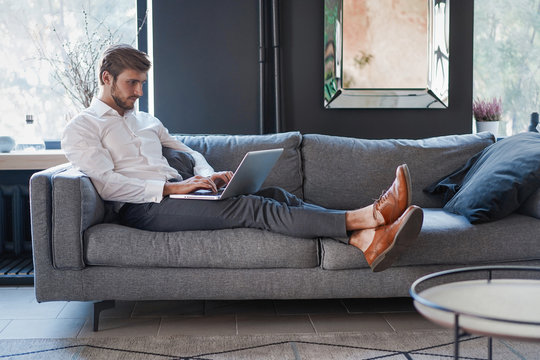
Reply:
x=482, y=300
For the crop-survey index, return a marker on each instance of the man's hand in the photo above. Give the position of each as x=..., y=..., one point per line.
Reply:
x=190, y=185
x=198, y=182
x=221, y=178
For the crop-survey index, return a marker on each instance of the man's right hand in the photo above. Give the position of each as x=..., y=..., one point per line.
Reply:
x=190, y=185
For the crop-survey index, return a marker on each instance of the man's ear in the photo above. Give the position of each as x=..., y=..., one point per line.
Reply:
x=107, y=78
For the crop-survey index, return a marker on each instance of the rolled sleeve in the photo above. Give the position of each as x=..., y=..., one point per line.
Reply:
x=201, y=165
x=153, y=191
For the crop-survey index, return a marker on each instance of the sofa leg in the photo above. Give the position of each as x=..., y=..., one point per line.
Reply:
x=98, y=308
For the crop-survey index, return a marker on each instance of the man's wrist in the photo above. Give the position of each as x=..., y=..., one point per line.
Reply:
x=167, y=189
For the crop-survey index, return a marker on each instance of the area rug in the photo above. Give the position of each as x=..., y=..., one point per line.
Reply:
x=421, y=345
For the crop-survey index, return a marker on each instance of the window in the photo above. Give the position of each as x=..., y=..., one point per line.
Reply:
x=507, y=58
x=38, y=42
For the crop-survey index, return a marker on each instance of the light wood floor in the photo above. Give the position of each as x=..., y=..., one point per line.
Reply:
x=21, y=316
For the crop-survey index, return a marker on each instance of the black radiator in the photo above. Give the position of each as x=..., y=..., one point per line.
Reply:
x=15, y=235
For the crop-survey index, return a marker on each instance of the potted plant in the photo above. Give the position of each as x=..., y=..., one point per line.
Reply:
x=487, y=114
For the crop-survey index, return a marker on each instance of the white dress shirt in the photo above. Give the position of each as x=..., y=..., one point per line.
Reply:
x=122, y=155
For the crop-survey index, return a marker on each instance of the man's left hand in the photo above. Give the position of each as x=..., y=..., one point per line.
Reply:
x=221, y=178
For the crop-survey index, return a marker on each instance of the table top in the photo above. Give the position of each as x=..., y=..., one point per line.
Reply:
x=31, y=160
x=507, y=308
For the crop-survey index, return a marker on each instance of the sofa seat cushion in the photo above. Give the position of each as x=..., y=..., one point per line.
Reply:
x=449, y=239
x=117, y=245
x=225, y=152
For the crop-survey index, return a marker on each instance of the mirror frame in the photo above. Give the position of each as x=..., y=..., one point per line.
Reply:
x=433, y=96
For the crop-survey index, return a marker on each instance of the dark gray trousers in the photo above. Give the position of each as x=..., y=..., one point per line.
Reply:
x=272, y=209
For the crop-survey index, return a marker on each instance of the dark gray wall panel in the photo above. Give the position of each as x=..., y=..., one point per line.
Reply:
x=206, y=65
x=205, y=53
x=302, y=40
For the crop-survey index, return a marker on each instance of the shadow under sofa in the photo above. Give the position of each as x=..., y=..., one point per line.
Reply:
x=81, y=253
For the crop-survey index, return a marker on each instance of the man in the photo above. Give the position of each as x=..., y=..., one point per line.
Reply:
x=121, y=151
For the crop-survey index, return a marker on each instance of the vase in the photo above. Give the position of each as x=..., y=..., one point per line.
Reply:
x=7, y=143
x=491, y=126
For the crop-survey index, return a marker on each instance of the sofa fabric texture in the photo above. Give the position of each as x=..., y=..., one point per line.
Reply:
x=227, y=249
x=76, y=207
x=449, y=239
x=347, y=173
x=81, y=254
x=531, y=206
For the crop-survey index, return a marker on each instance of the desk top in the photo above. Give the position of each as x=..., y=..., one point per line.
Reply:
x=31, y=160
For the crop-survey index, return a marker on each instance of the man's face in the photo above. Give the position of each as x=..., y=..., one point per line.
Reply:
x=127, y=88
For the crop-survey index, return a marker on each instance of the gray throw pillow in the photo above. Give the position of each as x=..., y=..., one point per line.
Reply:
x=179, y=160
x=495, y=182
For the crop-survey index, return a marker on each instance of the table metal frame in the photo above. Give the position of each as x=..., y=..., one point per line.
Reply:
x=457, y=330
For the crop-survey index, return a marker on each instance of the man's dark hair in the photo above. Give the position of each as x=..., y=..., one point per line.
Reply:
x=118, y=58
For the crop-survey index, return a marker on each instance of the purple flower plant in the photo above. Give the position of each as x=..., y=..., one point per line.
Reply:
x=487, y=110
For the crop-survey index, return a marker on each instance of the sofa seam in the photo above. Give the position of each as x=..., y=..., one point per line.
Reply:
x=53, y=219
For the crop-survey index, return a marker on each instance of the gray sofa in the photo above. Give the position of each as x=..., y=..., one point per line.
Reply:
x=81, y=253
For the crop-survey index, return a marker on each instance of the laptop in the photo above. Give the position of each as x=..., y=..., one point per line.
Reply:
x=247, y=179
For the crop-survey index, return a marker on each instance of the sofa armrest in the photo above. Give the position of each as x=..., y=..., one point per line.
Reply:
x=75, y=206
x=531, y=206
x=40, y=217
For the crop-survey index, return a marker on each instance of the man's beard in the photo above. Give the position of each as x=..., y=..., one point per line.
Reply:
x=121, y=104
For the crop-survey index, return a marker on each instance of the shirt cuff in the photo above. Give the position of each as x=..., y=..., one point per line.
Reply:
x=153, y=191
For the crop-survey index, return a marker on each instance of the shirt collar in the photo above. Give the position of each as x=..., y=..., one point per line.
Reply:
x=100, y=108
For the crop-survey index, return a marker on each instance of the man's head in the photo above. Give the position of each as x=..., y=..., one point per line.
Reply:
x=122, y=73
x=118, y=58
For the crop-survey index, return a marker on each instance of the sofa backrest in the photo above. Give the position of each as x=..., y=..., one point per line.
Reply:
x=225, y=152
x=347, y=173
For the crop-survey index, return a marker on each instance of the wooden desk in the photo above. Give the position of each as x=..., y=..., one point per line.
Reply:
x=31, y=160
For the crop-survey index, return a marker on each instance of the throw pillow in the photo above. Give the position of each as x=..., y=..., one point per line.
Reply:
x=179, y=160
x=495, y=182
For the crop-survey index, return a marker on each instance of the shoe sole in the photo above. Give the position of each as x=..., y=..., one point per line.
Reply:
x=409, y=186
x=405, y=236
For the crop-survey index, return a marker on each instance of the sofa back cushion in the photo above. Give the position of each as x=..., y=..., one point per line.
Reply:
x=347, y=173
x=225, y=152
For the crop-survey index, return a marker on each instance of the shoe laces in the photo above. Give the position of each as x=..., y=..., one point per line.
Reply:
x=383, y=197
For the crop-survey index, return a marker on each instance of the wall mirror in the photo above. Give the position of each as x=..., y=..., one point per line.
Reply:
x=386, y=53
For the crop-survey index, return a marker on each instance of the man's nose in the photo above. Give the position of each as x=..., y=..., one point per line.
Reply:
x=139, y=90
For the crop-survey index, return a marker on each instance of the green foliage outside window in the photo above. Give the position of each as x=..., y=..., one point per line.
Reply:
x=507, y=58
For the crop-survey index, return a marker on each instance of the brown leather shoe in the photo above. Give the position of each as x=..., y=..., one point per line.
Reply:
x=397, y=198
x=391, y=240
